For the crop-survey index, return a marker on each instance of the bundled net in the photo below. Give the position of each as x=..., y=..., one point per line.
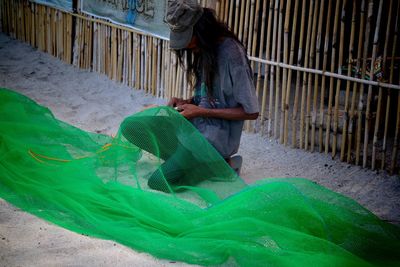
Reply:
x=159, y=187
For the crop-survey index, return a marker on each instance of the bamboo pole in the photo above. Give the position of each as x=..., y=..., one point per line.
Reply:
x=338, y=83
x=28, y=19
x=121, y=58
x=114, y=53
x=393, y=163
x=353, y=111
x=147, y=61
x=303, y=94
x=231, y=7
x=100, y=45
x=69, y=40
x=289, y=80
x=396, y=33
x=33, y=25
x=159, y=71
x=65, y=26
x=89, y=46
x=2, y=16
x=285, y=60
x=81, y=45
x=22, y=21
x=25, y=19
x=125, y=65
x=10, y=12
x=363, y=71
x=218, y=8
x=278, y=71
x=46, y=29
x=242, y=10
x=7, y=17
x=316, y=77
x=148, y=49
x=102, y=41
x=331, y=82
x=261, y=49
x=95, y=47
x=323, y=80
x=378, y=110
x=171, y=72
x=138, y=60
x=22, y=18
x=178, y=86
x=19, y=21
x=266, y=67
x=252, y=46
x=236, y=26
x=154, y=75
x=369, y=99
x=348, y=84
x=15, y=22
x=76, y=44
x=163, y=69
x=142, y=69
x=153, y=59
x=38, y=28
x=85, y=45
x=109, y=52
x=299, y=63
x=272, y=78
x=225, y=10
x=174, y=74
x=253, y=25
x=247, y=20
x=396, y=138
x=222, y=11
x=309, y=76
x=129, y=56
x=49, y=31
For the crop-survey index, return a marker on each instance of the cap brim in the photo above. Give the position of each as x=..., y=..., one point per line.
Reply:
x=180, y=40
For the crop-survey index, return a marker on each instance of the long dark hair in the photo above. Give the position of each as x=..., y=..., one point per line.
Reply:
x=202, y=63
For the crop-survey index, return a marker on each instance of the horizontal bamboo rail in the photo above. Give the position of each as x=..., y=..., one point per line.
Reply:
x=326, y=73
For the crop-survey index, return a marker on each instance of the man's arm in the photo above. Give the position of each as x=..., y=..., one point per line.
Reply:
x=190, y=111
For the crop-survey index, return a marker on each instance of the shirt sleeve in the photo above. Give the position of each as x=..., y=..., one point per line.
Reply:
x=243, y=88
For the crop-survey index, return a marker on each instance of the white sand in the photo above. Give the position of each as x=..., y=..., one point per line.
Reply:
x=92, y=102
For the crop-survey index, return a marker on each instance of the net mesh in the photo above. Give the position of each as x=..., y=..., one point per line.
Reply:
x=159, y=187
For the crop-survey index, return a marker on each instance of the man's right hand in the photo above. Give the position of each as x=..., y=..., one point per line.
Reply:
x=176, y=102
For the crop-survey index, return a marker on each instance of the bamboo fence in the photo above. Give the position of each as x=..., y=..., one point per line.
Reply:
x=326, y=72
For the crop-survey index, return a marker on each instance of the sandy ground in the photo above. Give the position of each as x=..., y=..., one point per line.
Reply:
x=92, y=102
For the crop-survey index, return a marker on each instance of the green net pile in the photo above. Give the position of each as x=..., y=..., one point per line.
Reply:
x=159, y=187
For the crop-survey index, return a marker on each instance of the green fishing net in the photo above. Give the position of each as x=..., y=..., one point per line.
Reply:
x=159, y=187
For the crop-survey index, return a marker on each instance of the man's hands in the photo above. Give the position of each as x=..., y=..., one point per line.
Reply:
x=185, y=107
x=177, y=102
x=190, y=111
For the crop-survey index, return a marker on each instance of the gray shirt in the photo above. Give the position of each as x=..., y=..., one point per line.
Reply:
x=233, y=86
